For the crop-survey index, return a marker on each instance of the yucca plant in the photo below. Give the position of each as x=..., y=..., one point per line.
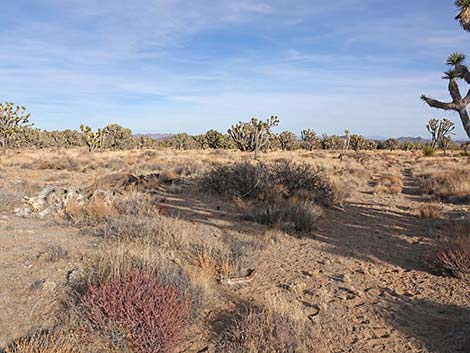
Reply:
x=464, y=13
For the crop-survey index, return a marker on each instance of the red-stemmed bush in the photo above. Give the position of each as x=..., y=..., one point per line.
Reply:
x=152, y=315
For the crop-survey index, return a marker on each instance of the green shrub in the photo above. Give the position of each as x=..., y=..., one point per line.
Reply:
x=429, y=151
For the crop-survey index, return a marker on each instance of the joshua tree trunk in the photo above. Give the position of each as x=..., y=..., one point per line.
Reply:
x=465, y=121
x=4, y=146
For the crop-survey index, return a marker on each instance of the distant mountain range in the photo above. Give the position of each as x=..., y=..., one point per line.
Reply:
x=157, y=136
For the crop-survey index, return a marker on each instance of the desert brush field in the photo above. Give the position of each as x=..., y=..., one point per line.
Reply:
x=164, y=250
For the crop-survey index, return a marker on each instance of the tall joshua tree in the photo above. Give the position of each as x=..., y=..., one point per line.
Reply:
x=459, y=71
x=12, y=121
x=464, y=13
x=459, y=104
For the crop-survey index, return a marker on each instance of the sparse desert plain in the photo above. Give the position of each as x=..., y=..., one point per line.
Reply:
x=164, y=250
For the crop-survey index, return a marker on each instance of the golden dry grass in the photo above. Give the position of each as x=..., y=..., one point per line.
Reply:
x=448, y=179
x=389, y=184
x=43, y=343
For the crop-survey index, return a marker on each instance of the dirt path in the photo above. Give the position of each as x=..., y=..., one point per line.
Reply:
x=365, y=282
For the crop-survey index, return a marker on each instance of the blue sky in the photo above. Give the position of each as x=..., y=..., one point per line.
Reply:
x=171, y=65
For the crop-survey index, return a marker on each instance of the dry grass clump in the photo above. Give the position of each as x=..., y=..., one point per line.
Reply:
x=450, y=184
x=9, y=200
x=103, y=206
x=44, y=342
x=254, y=329
x=431, y=210
x=150, y=314
x=453, y=254
x=91, y=213
x=158, y=230
x=299, y=216
x=389, y=184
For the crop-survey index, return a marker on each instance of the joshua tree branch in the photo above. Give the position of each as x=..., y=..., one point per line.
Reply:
x=438, y=104
x=466, y=99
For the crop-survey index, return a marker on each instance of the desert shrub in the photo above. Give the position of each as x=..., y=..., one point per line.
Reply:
x=389, y=184
x=152, y=315
x=430, y=210
x=42, y=342
x=252, y=181
x=429, y=151
x=53, y=253
x=453, y=254
x=254, y=329
x=240, y=180
x=451, y=184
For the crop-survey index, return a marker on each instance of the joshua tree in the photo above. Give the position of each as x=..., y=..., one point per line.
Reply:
x=359, y=142
x=287, y=140
x=253, y=135
x=215, y=139
x=440, y=130
x=309, y=139
x=333, y=142
x=459, y=103
x=12, y=121
x=391, y=144
x=116, y=137
x=183, y=141
x=92, y=139
x=464, y=13
x=346, y=143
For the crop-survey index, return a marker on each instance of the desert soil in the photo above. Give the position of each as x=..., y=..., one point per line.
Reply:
x=362, y=278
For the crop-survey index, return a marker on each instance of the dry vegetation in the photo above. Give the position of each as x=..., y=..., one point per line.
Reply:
x=173, y=230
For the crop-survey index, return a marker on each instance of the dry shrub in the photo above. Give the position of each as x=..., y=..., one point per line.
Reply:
x=168, y=176
x=258, y=181
x=254, y=329
x=44, y=342
x=91, y=213
x=431, y=210
x=453, y=254
x=136, y=204
x=452, y=185
x=152, y=315
x=389, y=184
x=129, y=299
x=53, y=253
